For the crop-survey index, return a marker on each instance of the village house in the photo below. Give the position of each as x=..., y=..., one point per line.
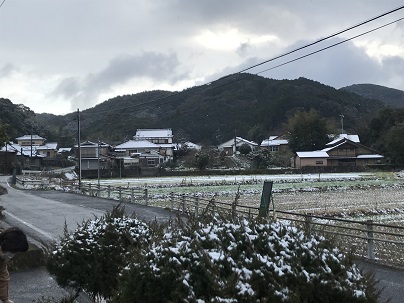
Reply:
x=139, y=153
x=275, y=143
x=30, y=150
x=28, y=140
x=345, y=150
x=163, y=138
x=25, y=156
x=93, y=155
x=48, y=149
x=231, y=147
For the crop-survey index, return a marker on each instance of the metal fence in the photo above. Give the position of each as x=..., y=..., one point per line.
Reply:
x=119, y=193
x=375, y=241
x=38, y=181
x=195, y=205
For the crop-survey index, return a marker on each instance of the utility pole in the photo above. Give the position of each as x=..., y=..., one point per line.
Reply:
x=30, y=159
x=78, y=145
x=235, y=143
x=342, y=123
x=98, y=155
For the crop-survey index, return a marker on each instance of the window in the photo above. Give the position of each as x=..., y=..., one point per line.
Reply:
x=319, y=162
x=274, y=148
x=151, y=162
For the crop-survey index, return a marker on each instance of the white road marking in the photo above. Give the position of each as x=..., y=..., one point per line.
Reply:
x=44, y=233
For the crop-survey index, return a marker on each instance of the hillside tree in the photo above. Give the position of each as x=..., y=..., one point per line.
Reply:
x=395, y=145
x=307, y=131
x=4, y=138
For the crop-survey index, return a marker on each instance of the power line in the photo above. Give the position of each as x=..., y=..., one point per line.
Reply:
x=330, y=46
x=2, y=3
x=275, y=58
x=301, y=57
x=323, y=39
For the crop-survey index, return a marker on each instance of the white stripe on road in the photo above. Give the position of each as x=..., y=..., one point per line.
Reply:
x=43, y=233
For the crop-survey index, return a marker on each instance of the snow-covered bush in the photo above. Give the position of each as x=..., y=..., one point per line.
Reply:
x=121, y=259
x=91, y=257
x=243, y=261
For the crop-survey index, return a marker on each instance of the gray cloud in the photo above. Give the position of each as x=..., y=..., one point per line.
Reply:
x=157, y=41
x=84, y=92
x=6, y=70
x=339, y=66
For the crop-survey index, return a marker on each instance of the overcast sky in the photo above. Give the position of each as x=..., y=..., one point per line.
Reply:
x=60, y=55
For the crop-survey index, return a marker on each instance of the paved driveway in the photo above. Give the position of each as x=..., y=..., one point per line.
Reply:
x=43, y=214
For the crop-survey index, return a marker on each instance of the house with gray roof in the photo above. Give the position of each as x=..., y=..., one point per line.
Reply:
x=230, y=147
x=28, y=140
x=163, y=138
x=49, y=149
x=93, y=155
x=275, y=143
x=139, y=152
x=339, y=152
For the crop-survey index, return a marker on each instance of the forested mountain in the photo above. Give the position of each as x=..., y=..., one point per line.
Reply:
x=20, y=120
x=246, y=105
x=389, y=96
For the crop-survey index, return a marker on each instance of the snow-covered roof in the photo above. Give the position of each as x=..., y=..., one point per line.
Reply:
x=334, y=147
x=20, y=150
x=92, y=144
x=191, y=145
x=29, y=137
x=353, y=138
x=64, y=149
x=239, y=140
x=136, y=144
x=153, y=133
x=274, y=142
x=373, y=156
x=312, y=154
x=50, y=145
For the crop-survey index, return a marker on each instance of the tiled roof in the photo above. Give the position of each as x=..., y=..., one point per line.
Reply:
x=153, y=133
x=353, y=138
x=136, y=144
x=29, y=137
x=312, y=154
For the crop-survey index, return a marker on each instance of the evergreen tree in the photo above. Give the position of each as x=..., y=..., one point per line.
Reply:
x=395, y=144
x=307, y=131
x=3, y=134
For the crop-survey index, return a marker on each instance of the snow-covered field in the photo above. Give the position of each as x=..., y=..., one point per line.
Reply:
x=355, y=196
x=378, y=195
x=232, y=178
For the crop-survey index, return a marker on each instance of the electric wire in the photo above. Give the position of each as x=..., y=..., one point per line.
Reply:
x=309, y=54
x=2, y=3
x=325, y=38
x=330, y=46
x=209, y=87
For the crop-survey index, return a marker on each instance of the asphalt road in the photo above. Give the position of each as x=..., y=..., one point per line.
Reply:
x=43, y=214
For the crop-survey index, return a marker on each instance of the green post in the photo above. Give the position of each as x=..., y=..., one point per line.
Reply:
x=265, y=198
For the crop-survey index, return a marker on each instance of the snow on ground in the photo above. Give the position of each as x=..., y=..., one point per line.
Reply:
x=230, y=178
x=357, y=194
